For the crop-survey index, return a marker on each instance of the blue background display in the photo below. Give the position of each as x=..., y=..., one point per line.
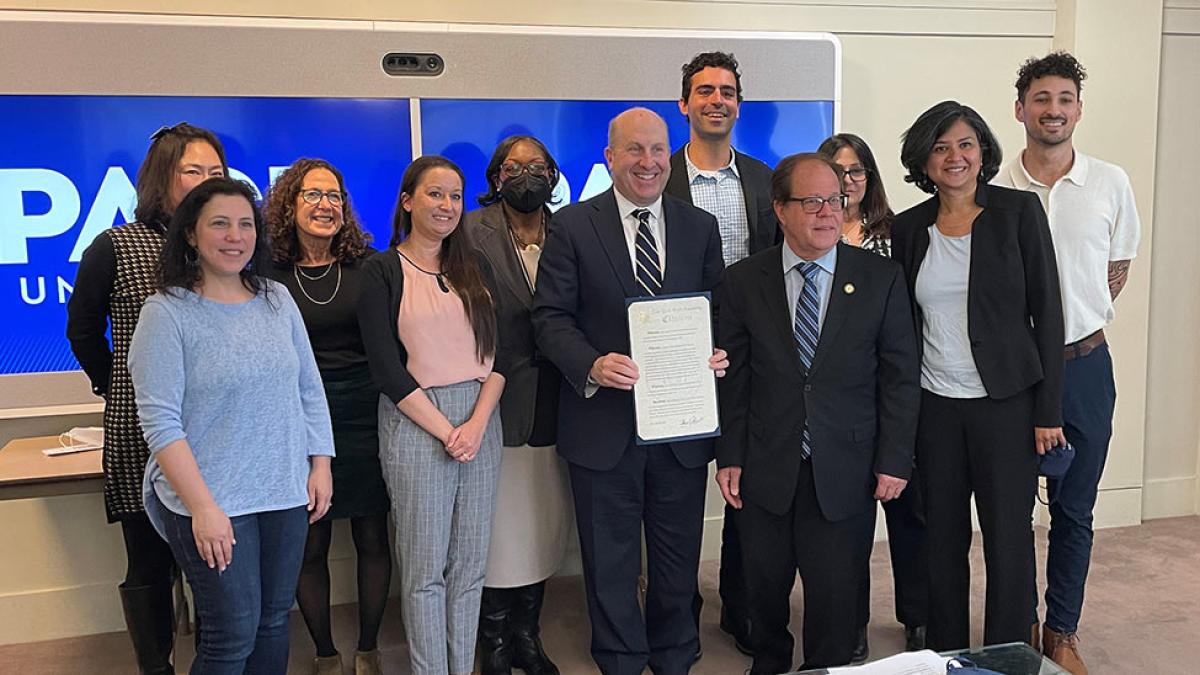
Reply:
x=68, y=164
x=68, y=144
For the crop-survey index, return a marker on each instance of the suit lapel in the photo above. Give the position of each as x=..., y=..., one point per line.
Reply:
x=675, y=229
x=751, y=198
x=841, y=297
x=606, y=221
x=774, y=295
x=497, y=246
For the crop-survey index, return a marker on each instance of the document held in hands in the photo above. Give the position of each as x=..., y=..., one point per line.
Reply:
x=670, y=340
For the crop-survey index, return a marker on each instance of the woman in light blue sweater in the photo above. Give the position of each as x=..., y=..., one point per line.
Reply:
x=234, y=413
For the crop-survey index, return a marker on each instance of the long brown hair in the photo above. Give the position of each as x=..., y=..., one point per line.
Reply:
x=458, y=261
x=279, y=210
x=157, y=173
x=877, y=215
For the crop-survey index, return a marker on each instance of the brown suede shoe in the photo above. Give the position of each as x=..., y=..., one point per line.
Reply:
x=1035, y=634
x=1063, y=649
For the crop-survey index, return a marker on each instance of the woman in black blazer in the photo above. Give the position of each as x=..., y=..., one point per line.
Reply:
x=981, y=272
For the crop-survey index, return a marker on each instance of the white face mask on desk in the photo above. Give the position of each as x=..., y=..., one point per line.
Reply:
x=78, y=439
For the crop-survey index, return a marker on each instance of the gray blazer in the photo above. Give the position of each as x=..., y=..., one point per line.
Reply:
x=529, y=405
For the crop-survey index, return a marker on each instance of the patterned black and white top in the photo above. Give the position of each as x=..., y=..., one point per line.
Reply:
x=117, y=272
x=876, y=243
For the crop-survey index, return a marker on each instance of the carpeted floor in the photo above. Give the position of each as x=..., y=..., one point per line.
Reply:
x=1140, y=617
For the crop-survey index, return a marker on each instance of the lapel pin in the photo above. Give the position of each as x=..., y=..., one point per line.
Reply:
x=848, y=289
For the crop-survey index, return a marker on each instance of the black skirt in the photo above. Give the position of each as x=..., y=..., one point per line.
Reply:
x=358, y=487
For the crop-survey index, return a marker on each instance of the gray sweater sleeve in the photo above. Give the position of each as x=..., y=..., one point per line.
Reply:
x=156, y=363
x=312, y=390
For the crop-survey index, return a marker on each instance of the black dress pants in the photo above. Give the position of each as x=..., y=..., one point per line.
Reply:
x=983, y=447
x=647, y=489
x=905, y=519
x=828, y=555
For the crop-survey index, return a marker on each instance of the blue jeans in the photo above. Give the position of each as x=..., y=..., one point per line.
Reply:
x=1089, y=397
x=244, y=610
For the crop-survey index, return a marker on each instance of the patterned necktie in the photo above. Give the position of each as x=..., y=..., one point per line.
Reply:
x=807, y=331
x=649, y=270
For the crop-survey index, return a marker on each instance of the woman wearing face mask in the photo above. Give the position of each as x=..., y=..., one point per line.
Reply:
x=533, y=504
x=117, y=272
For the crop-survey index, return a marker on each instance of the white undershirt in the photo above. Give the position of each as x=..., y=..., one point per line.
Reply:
x=947, y=364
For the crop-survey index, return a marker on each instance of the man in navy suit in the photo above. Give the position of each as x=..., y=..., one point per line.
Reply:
x=630, y=241
x=818, y=411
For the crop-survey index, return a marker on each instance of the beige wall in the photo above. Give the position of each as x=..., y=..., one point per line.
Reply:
x=898, y=58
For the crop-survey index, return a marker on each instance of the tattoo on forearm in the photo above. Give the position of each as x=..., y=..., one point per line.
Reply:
x=1118, y=274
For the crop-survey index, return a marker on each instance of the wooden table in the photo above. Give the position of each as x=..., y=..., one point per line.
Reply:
x=26, y=473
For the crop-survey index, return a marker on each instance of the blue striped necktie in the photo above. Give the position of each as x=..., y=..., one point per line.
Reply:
x=807, y=330
x=649, y=269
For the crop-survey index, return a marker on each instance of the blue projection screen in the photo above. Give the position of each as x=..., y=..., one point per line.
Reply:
x=69, y=173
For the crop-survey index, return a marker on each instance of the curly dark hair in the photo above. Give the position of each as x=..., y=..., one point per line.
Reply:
x=877, y=214
x=1059, y=63
x=493, y=168
x=458, y=259
x=710, y=60
x=929, y=127
x=279, y=210
x=157, y=172
x=179, y=268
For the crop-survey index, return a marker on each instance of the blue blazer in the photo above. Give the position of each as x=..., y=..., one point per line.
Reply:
x=579, y=315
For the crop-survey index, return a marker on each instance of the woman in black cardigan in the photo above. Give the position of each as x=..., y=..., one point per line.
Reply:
x=981, y=271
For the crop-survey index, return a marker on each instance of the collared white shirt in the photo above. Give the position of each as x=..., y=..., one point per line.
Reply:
x=793, y=280
x=1093, y=221
x=720, y=193
x=629, y=225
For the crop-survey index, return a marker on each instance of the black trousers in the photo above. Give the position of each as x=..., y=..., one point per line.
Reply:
x=647, y=489
x=829, y=557
x=905, y=519
x=148, y=556
x=983, y=447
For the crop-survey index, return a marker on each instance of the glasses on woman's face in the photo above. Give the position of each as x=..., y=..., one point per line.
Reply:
x=514, y=169
x=815, y=204
x=314, y=196
x=857, y=173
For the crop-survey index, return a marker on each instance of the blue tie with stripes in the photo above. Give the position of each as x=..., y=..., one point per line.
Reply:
x=807, y=331
x=649, y=269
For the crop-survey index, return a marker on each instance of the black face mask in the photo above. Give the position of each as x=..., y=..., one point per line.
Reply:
x=526, y=193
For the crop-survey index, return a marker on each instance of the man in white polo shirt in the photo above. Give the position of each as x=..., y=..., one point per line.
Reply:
x=1095, y=226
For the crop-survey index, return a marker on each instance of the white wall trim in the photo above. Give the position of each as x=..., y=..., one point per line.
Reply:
x=1170, y=497
x=1181, y=17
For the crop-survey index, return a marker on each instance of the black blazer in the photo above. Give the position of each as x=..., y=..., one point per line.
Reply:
x=1014, y=309
x=756, y=188
x=579, y=315
x=529, y=405
x=860, y=397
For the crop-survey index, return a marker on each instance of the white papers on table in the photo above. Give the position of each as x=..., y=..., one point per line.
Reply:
x=924, y=662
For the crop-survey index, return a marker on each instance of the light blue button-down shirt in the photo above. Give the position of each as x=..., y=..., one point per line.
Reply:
x=793, y=280
x=720, y=193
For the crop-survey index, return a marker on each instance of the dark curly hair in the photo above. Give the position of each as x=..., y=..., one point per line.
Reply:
x=180, y=267
x=710, y=60
x=279, y=210
x=929, y=127
x=458, y=258
x=493, y=168
x=1059, y=63
x=157, y=172
x=877, y=214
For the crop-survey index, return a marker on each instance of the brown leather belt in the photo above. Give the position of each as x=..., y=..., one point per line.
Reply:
x=1085, y=346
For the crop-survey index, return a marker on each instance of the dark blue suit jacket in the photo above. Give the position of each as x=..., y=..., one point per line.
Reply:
x=579, y=315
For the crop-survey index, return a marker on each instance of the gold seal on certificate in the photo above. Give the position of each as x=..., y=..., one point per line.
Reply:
x=670, y=340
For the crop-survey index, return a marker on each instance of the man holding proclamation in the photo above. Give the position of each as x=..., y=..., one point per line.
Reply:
x=818, y=411
x=628, y=242
x=736, y=188
x=1095, y=226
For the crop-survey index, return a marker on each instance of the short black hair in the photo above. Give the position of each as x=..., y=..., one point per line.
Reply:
x=929, y=127
x=1060, y=64
x=781, y=178
x=492, y=174
x=710, y=60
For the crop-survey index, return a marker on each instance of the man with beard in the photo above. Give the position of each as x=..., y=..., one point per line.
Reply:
x=1095, y=226
x=736, y=188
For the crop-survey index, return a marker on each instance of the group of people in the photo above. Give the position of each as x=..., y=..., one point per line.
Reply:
x=270, y=372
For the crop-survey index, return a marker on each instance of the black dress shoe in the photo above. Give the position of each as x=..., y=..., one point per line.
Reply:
x=739, y=629
x=914, y=638
x=861, y=648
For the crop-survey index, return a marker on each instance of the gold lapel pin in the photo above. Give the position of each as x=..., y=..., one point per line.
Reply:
x=848, y=288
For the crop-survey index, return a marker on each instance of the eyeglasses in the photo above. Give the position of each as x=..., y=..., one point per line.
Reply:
x=313, y=197
x=164, y=130
x=857, y=174
x=814, y=204
x=514, y=169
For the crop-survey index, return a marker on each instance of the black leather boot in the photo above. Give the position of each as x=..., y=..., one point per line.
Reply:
x=528, y=654
x=150, y=619
x=495, y=631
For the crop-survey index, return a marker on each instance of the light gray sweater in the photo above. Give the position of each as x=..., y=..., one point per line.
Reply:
x=240, y=384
